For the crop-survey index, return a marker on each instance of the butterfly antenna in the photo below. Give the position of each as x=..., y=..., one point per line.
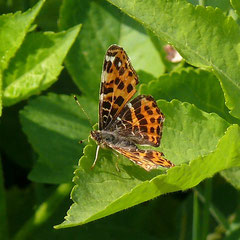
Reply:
x=96, y=157
x=76, y=100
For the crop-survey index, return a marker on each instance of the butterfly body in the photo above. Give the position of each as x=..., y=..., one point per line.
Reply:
x=112, y=140
x=124, y=124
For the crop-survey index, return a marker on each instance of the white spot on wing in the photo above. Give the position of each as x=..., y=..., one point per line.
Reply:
x=119, y=64
x=101, y=97
x=110, y=58
x=104, y=76
x=129, y=105
x=118, y=118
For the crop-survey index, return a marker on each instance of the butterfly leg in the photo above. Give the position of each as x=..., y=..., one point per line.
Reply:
x=96, y=157
x=116, y=163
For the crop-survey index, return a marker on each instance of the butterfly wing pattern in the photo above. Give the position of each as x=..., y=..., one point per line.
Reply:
x=124, y=124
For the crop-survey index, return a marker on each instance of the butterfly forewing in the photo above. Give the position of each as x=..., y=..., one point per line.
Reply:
x=118, y=83
x=141, y=120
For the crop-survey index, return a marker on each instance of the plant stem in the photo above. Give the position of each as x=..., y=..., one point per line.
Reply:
x=3, y=208
x=195, y=234
x=44, y=211
x=207, y=196
x=202, y=2
x=217, y=215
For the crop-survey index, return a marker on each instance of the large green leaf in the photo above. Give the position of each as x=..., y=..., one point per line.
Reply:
x=104, y=25
x=103, y=191
x=37, y=64
x=13, y=28
x=54, y=125
x=194, y=86
x=205, y=37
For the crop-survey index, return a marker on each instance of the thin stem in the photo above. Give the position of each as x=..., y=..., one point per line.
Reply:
x=3, y=208
x=206, y=214
x=44, y=211
x=202, y=2
x=217, y=215
x=195, y=233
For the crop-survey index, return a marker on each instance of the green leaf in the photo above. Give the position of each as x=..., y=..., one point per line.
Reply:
x=104, y=25
x=143, y=54
x=205, y=37
x=13, y=28
x=236, y=5
x=198, y=87
x=44, y=211
x=54, y=124
x=104, y=191
x=232, y=175
x=37, y=64
x=195, y=86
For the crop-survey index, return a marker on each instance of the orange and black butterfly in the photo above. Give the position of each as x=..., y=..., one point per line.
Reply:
x=124, y=124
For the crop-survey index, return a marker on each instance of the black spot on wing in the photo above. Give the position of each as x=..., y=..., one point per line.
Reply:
x=105, y=65
x=139, y=116
x=121, y=86
x=143, y=128
x=129, y=88
x=109, y=64
x=112, y=54
x=152, y=120
x=106, y=105
x=117, y=80
x=114, y=47
x=121, y=71
x=108, y=90
x=116, y=62
x=119, y=101
x=130, y=73
x=143, y=121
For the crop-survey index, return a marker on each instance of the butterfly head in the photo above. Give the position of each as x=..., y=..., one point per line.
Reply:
x=103, y=137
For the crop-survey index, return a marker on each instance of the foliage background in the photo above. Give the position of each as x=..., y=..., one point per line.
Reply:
x=54, y=49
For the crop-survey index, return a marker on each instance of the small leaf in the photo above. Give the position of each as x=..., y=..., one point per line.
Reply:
x=54, y=125
x=37, y=64
x=13, y=28
x=104, y=191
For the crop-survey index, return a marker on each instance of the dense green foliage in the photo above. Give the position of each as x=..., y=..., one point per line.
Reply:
x=51, y=50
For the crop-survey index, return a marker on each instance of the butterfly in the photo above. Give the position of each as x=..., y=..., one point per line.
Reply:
x=123, y=123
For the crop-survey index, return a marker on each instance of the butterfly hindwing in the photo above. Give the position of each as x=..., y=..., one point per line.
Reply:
x=147, y=159
x=118, y=83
